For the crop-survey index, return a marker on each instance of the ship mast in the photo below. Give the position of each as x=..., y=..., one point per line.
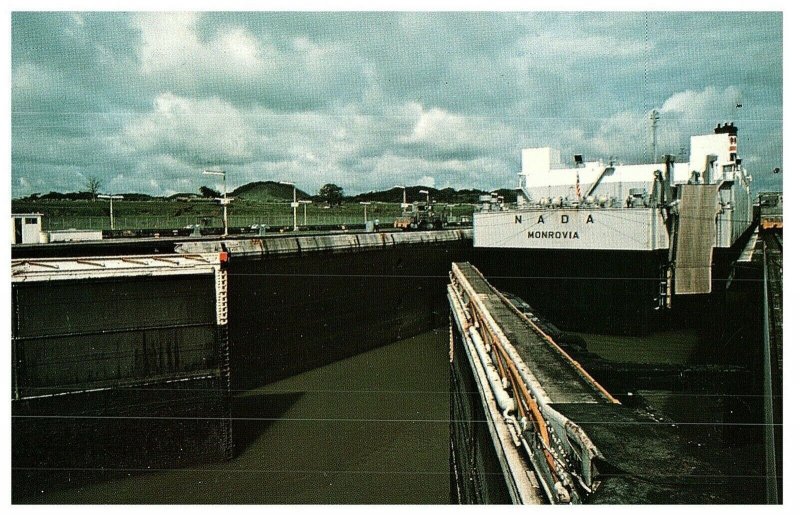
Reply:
x=654, y=120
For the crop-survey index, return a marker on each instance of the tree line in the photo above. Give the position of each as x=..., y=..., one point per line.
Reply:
x=330, y=193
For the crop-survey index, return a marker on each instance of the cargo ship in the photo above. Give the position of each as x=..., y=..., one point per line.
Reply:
x=615, y=240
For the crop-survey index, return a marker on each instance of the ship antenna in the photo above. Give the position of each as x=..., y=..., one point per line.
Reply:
x=654, y=120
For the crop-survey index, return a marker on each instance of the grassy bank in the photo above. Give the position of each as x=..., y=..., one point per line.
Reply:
x=165, y=214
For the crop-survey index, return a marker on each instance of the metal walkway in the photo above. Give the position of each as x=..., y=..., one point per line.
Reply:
x=521, y=370
x=558, y=435
x=562, y=378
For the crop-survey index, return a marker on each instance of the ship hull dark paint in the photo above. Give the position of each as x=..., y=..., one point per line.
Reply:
x=601, y=291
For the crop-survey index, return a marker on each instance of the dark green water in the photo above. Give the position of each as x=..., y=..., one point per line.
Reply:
x=666, y=347
x=372, y=428
x=369, y=429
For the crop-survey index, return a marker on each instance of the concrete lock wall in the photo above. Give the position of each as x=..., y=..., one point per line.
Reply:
x=294, y=311
x=476, y=476
x=129, y=373
x=78, y=335
x=125, y=374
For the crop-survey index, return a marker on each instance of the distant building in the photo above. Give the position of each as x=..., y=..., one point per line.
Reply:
x=26, y=228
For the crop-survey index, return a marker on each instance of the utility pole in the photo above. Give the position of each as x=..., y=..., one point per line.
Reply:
x=224, y=201
x=404, y=204
x=305, y=203
x=365, y=204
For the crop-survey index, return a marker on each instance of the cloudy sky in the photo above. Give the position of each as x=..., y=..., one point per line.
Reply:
x=371, y=100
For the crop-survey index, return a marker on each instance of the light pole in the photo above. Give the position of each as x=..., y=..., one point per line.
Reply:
x=224, y=200
x=365, y=204
x=305, y=218
x=294, y=201
x=427, y=197
x=404, y=204
x=654, y=118
x=110, y=206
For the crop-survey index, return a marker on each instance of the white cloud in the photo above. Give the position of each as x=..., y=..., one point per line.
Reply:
x=171, y=45
x=627, y=135
x=194, y=131
x=709, y=103
x=30, y=82
x=438, y=131
x=428, y=181
x=369, y=101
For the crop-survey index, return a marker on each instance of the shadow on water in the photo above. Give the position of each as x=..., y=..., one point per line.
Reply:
x=341, y=433
x=254, y=413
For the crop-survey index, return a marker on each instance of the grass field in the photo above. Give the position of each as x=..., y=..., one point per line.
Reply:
x=164, y=214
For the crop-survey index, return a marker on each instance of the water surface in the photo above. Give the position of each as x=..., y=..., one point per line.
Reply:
x=372, y=428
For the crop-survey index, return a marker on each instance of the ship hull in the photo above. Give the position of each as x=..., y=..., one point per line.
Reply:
x=578, y=229
x=602, y=291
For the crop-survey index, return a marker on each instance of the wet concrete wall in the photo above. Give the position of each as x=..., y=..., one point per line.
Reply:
x=125, y=375
x=476, y=476
x=291, y=312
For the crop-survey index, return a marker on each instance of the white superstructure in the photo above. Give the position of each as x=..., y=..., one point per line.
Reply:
x=545, y=175
x=617, y=206
x=701, y=204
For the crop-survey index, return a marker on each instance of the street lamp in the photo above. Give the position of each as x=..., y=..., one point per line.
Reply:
x=110, y=205
x=224, y=201
x=294, y=200
x=427, y=196
x=404, y=204
x=305, y=203
x=365, y=204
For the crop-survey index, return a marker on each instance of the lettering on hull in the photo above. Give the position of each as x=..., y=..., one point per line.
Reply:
x=564, y=219
x=570, y=235
x=631, y=229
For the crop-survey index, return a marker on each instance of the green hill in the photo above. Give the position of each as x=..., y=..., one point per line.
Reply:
x=266, y=191
x=445, y=195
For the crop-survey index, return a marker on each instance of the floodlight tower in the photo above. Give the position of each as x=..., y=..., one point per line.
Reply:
x=110, y=205
x=224, y=201
x=295, y=204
